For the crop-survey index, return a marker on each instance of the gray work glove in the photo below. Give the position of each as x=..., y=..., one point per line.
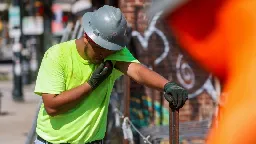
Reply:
x=100, y=74
x=175, y=95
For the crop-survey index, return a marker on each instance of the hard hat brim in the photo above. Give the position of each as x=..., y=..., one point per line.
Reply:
x=97, y=39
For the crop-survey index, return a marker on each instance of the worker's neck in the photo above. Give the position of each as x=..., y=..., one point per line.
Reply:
x=81, y=46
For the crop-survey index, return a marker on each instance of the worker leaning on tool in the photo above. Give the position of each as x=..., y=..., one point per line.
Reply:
x=75, y=80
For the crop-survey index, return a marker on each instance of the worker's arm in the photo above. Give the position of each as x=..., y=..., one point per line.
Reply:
x=57, y=104
x=65, y=101
x=141, y=74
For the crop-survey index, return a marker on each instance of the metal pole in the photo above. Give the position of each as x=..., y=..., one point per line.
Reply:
x=161, y=109
x=0, y=103
x=32, y=132
x=80, y=32
x=153, y=96
x=75, y=29
x=25, y=64
x=66, y=32
x=174, y=125
x=127, y=82
x=17, y=91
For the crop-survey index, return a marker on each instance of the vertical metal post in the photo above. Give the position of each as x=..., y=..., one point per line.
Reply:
x=74, y=34
x=127, y=96
x=32, y=42
x=0, y=103
x=127, y=93
x=174, y=125
x=153, y=95
x=17, y=91
x=25, y=63
x=161, y=109
x=32, y=133
x=80, y=32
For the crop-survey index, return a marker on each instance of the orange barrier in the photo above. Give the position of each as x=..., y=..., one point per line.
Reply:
x=221, y=36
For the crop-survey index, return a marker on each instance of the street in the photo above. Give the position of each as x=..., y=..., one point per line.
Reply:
x=16, y=118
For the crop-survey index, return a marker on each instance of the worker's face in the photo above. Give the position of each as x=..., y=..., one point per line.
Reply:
x=95, y=53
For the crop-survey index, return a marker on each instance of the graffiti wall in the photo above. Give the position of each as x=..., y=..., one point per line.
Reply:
x=155, y=47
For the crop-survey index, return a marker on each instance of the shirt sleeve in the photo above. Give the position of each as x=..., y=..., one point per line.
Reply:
x=123, y=55
x=50, y=78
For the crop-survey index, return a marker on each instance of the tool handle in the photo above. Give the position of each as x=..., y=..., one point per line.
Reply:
x=173, y=125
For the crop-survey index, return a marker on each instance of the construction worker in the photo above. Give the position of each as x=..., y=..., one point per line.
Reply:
x=76, y=77
x=221, y=36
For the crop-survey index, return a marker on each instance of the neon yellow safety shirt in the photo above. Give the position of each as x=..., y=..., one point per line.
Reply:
x=62, y=68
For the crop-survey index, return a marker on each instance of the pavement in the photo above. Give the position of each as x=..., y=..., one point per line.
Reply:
x=16, y=118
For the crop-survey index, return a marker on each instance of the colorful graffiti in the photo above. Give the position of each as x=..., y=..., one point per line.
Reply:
x=147, y=34
x=185, y=74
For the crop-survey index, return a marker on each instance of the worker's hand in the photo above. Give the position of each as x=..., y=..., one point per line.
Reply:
x=100, y=74
x=175, y=95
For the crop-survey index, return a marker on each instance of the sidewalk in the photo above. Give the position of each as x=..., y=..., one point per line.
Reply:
x=17, y=118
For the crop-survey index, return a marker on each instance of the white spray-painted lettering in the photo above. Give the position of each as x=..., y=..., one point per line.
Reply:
x=147, y=34
x=184, y=73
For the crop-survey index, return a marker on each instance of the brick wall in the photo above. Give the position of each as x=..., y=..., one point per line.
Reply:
x=176, y=65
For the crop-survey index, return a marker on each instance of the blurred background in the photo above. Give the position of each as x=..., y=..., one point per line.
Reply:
x=29, y=27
